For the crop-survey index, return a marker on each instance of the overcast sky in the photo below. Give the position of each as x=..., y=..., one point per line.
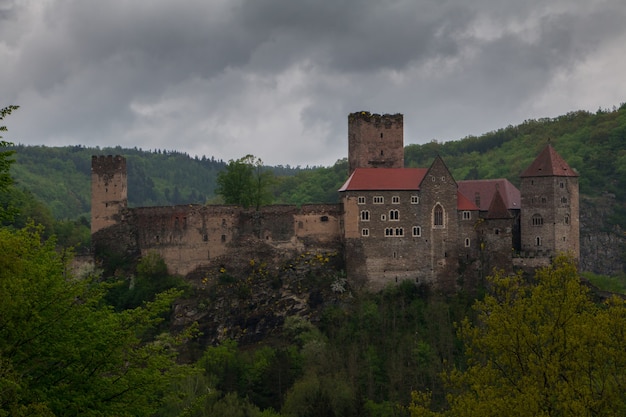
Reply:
x=278, y=78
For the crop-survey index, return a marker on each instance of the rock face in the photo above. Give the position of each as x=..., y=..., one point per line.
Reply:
x=245, y=296
x=602, y=244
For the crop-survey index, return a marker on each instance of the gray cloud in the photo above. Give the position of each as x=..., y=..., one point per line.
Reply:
x=277, y=78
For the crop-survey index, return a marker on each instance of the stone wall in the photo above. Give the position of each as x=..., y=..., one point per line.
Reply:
x=375, y=141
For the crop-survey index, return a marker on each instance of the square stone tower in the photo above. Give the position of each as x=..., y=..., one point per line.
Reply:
x=375, y=141
x=109, y=190
x=549, y=214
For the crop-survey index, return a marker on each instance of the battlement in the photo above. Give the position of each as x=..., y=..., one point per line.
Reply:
x=108, y=163
x=377, y=119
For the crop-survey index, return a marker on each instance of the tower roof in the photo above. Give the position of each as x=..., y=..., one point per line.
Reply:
x=497, y=208
x=549, y=164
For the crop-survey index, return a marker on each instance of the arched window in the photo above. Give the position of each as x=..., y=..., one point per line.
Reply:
x=365, y=215
x=537, y=220
x=438, y=216
x=537, y=241
x=394, y=214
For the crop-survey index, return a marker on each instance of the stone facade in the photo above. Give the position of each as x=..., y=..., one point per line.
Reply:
x=393, y=223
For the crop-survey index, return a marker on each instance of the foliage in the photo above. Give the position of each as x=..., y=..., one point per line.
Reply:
x=616, y=284
x=6, y=161
x=245, y=182
x=540, y=349
x=65, y=352
x=150, y=280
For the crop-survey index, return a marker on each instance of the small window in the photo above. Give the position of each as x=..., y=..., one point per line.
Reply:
x=467, y=242
x=379, y=199
x=544, y=200
x=324, y=218
x=467, y=215
x=205, y=238
x=417, y=231
x=537, y=241
x=394, y=215
x=365, y=232
x=415, y=199
x=383, y=217
x=564, y=200
x=567, y=219
x=562, y=185
x=399, y=231
x=537, y=220
x=365, y=215
x=223, y=238
x=361, y=200
x=388, y=232
x=395, y=199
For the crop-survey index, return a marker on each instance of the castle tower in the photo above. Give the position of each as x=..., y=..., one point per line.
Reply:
x=108, y=190
x=549, y=214
x=375, y=141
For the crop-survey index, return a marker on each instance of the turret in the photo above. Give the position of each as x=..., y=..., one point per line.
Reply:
x=375, y=141
x=109, y=193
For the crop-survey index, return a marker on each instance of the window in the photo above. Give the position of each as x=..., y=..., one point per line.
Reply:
x=365, y=232
x=467, y=215
x=417, y=231
x=379, y=199
x=383, y=217
x=562, y=185
x=564, y=200
x=324, y=218
x=537, y=220
x=395, y=199
x=537, y=241
x=361, y=200
x=394, y=215
x=388, y=231
x=467, y=242
x=544, y=200
x=415, y=199
x=438, y=216
x=399, y=231
x=365, y=215
x=567, y=219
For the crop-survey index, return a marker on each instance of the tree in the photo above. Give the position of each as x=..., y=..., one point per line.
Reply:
x=245, y=182
x=540, y=350
x=63, y=351
x=5, y=161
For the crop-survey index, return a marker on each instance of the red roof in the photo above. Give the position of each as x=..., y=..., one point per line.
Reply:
x=547, y=164
x=486, y=189
x=463, y=203
x=382, y=179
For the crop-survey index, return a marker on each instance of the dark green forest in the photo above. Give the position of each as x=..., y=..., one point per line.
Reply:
x=101, y=342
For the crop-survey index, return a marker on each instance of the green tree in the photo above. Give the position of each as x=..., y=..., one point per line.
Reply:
x=245, y=182
x=63, y=351
x=5, y=161
x=543, y=349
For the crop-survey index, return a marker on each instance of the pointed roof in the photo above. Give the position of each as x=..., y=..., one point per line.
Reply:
x=463, y=203
x=486, y=189
x=549, y=164
x=497, y=208
x=382, y=179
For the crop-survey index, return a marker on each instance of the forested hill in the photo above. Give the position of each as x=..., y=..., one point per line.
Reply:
x=592, y=143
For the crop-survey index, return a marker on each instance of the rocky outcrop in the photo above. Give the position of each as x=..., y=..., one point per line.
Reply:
x=602, y=243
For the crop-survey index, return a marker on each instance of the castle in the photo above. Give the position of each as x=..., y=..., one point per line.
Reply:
x=392, y=223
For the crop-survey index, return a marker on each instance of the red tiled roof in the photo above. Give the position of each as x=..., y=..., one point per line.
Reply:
x=486, y=189
x=549, y=163
x=497, y=208
x=463, y=203
x=381, y=179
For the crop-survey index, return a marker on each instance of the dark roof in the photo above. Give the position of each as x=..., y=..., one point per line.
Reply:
x=549, y=164
x=486, y=189
x=382, y=179
x=497, y=208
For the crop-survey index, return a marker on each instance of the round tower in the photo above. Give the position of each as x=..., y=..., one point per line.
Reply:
x=375, y=141
x=108, y=190
x=549, y=219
